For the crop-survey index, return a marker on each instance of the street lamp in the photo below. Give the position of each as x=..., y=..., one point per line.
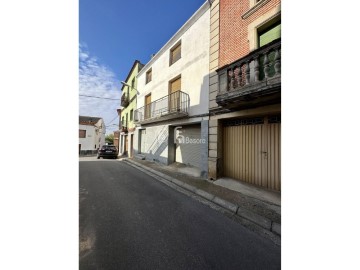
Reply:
x=126, y=84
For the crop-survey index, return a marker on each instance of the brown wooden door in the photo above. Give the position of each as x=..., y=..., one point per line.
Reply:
x=174, y=92
x=148, y=106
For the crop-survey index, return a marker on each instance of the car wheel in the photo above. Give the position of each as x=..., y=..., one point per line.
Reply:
x=98, y=157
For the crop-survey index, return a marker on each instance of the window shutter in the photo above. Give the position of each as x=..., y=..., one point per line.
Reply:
x=175, y=85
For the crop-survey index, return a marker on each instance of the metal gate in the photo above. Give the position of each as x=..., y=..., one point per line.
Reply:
x=252, y=151
x=188, y=150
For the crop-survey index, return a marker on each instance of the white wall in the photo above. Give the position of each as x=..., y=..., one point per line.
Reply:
x=193, y=65
x=101, y=135
x=92, y=138
x=89, y=141
x=156, y=143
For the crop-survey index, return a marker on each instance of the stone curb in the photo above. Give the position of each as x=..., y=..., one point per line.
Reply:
x=228, y=205
x=265, y=225
x=259, y=220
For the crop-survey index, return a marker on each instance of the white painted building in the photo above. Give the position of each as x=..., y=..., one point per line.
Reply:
x=173, y=98
x=91, y=134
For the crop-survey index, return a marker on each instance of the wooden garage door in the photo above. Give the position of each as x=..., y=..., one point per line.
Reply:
x=252, y=151
x=189, y=153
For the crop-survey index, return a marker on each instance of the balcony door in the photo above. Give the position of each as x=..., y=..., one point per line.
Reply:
x=266, y=34
x=174, y=95
x=148, y=106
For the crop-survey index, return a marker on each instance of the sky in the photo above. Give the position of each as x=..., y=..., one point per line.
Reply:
x=112, y=35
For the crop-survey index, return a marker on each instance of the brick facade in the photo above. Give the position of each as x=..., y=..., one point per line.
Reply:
x=233, y=32
x=234, y=39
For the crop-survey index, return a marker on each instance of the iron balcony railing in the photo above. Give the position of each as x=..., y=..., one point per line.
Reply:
x=174, y=105
x=256, y=67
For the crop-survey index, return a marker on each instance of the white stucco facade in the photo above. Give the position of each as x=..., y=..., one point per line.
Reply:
x=94, y=137
x=155, y=141
x=193, y=66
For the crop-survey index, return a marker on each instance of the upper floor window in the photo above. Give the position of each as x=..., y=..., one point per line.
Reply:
x=269, y=31
x=149, y=75
x=133, y=83
x=82, y=133
x=254, y=2
x=175, y=53
x=131, y=114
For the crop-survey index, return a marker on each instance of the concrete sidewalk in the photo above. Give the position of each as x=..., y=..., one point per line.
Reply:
x=255, y=208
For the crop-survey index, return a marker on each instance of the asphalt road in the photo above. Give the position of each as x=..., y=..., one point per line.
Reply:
x=129, y=220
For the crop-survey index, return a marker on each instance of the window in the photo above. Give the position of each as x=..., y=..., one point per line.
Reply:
x=133, y=83
x=149, y=75
x=126, y=120
x=175, y=53
x=174, y=92
x=175, y=85
x=147, y=106
x=131, y=114
x=269, y=32
x=122, y=120
x=82, y=133
x=254, y=2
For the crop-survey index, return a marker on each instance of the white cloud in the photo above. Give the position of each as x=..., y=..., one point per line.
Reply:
x=95, y=79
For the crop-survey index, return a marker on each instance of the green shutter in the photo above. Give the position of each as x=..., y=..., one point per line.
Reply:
x=270, y=35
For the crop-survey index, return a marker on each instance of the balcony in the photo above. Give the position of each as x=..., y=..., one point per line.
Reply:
x=125, y=100
x=124, y=129
x=254, y=80
x=175, y=105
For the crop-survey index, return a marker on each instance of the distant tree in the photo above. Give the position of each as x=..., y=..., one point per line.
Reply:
x=109, y=138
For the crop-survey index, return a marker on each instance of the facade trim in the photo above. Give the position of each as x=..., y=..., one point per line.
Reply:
x=254, y=8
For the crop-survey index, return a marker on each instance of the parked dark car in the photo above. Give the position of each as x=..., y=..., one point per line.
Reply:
x=107, y=151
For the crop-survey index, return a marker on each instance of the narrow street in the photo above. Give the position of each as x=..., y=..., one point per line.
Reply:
x=128, y=220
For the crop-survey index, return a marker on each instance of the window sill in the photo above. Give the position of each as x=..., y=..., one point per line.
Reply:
x=256, y=7
x=170, y=64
